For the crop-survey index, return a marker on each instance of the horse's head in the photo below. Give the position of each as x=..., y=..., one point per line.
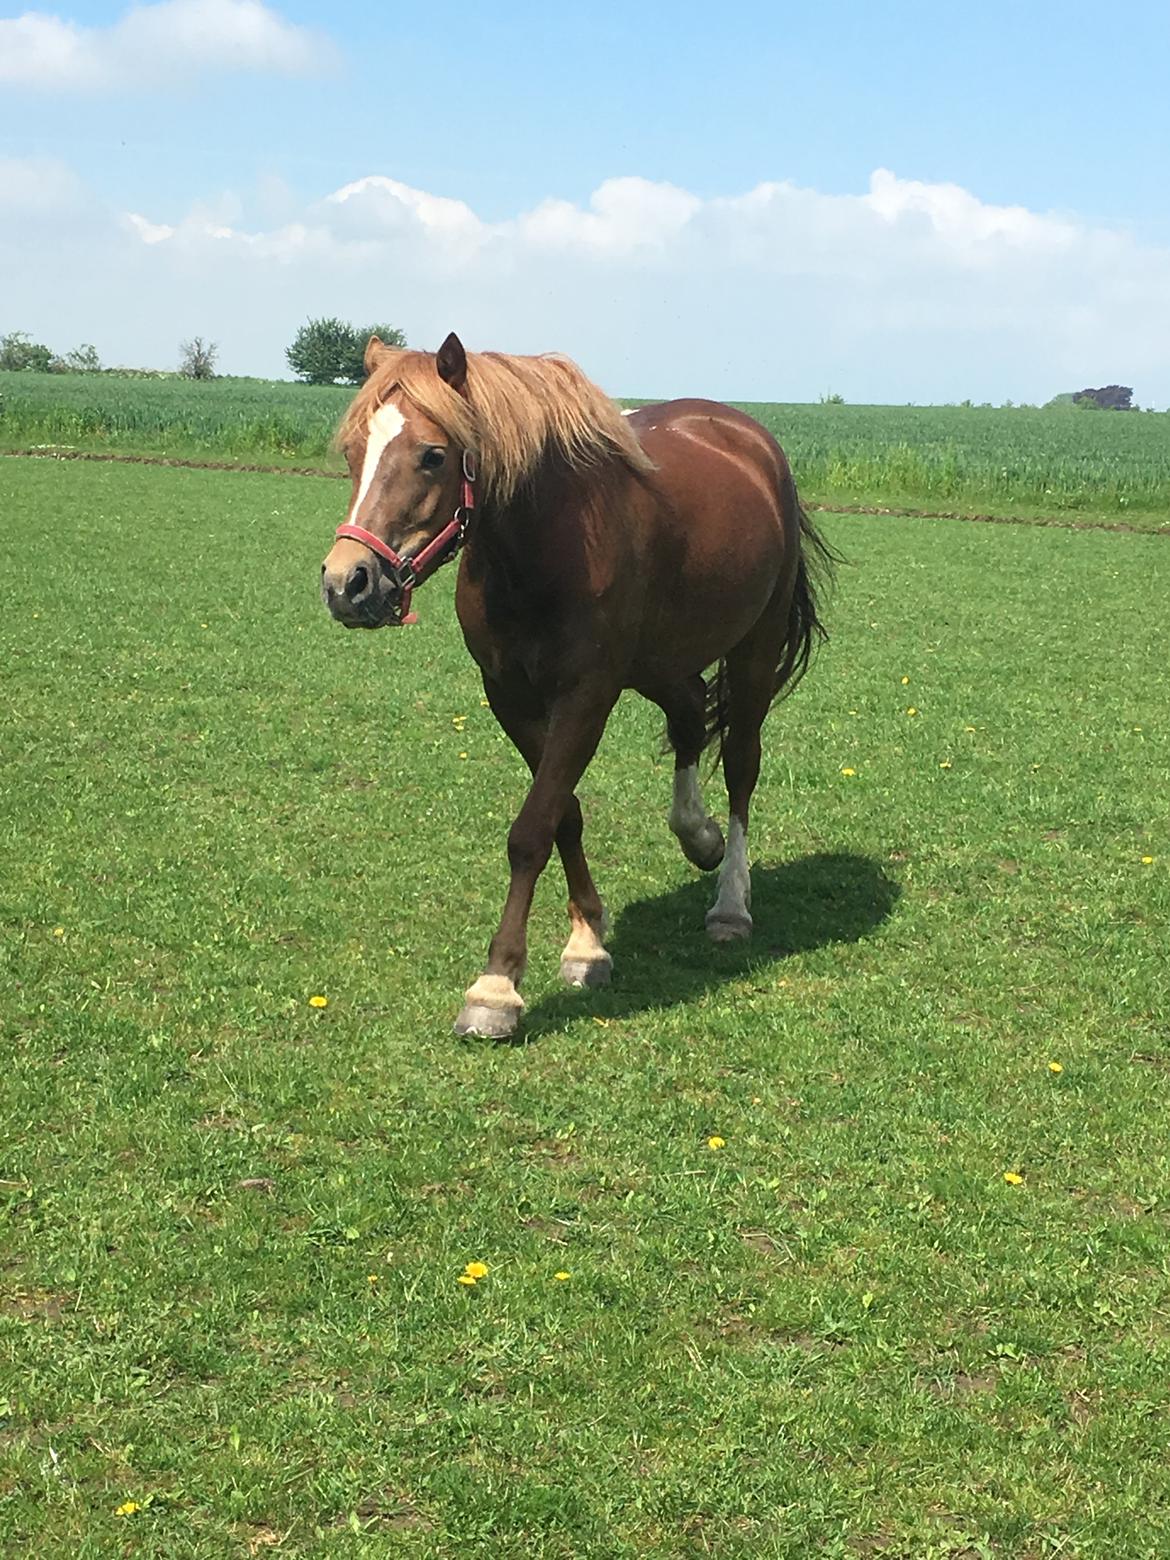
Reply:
x=411, y=497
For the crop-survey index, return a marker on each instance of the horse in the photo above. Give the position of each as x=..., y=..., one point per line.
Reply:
x=598, y=551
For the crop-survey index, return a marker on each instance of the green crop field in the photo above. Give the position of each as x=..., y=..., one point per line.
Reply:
x=916, y=1305
x=1114, y=466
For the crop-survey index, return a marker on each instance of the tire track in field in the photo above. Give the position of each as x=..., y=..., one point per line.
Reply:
x=1056, y=522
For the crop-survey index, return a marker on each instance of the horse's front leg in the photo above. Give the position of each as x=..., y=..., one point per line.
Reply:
x=522, y=715
x=492, y=1006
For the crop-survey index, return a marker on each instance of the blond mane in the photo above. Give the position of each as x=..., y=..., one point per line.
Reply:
x=515, y=411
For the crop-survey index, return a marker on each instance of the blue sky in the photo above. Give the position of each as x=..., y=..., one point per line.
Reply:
x=1060, y=110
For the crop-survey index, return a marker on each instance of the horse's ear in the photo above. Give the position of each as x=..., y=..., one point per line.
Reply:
x=451, y=361
x=375, y=348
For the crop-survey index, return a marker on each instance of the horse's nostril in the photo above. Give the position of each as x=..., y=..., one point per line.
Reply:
x=356, y=585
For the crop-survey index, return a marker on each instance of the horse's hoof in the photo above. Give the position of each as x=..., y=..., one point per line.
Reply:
x=489, y=1023
x=491, y=1008
x=705, y=848
x=587, y=972
x=723, y=927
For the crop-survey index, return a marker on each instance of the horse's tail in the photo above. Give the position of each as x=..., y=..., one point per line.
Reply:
x=815, y=569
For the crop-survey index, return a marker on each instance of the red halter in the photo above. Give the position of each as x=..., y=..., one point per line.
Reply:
x=409, y=573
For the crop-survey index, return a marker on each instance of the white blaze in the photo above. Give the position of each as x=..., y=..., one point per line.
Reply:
x=384, y=426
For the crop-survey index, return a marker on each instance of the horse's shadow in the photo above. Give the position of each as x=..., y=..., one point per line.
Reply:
x=662, y=955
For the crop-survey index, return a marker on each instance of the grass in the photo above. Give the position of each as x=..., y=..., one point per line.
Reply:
x=1022, y=460
x=234, y=1224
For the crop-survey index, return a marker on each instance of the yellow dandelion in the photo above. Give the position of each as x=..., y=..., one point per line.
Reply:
x=484, y=704
x=371, y=1278
x=755, y=1099
x=716, y=1142
x=1056, y=1067
x=968, y=728
x=905, y=682
x=946, y=764
x=58, y=931
x=319, y=1002
x=1012, y=1178
x=476, y=1270
x=466, y=1278
x=1147, y=861
x=463, y=755
x=562, y=1276
x=912, y=711
x=127, y=1508
x=849, y=772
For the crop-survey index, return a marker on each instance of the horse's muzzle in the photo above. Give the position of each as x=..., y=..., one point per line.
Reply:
x=360, y=596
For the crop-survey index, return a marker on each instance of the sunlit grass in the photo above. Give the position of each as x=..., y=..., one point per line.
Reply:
x=236, y=1221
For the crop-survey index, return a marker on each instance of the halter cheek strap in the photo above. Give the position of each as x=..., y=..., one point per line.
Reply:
x=411, y=571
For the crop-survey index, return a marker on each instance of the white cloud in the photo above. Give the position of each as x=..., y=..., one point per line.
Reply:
x=905, y=291
x=625, y=216
x=377, y=207
x=154, y=45
x=30, y=185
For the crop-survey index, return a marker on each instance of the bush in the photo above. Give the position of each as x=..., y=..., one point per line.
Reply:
x=19, y=354
x=328, y=351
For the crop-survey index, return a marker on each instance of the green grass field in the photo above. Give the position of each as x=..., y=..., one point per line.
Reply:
x=234, y=1224
x=1112, y=466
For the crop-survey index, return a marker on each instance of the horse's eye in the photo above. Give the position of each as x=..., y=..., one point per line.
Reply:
x=433, y=458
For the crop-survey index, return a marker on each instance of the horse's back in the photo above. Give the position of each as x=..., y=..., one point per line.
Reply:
x=711, y=428
x=723, y=512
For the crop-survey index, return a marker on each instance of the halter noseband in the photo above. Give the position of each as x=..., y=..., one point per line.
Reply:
x=408, y=573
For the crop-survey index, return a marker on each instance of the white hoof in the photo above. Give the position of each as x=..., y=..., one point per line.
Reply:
x=491, y=1008
x=724, y=926
x=596, y=971
x=488, y=1023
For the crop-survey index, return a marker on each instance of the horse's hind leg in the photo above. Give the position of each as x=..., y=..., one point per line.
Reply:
x=685, y=707
x=750, y=687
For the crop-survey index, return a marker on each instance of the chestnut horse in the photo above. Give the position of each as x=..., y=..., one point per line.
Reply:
x=600, y=551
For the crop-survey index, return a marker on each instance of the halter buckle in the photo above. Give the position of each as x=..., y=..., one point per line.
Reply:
x=403, y=575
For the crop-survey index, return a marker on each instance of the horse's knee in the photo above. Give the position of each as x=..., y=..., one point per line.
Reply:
x=529, y=847
x=571, y=826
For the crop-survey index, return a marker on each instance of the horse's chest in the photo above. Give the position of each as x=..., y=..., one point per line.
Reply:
x=502, y=641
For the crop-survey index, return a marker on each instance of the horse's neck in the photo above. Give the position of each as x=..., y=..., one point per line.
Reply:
x=510, y=535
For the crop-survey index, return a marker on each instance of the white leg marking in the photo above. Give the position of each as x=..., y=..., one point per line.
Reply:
x=585, y=961
x=730, y=916
x=698, y=835
x=385, y=425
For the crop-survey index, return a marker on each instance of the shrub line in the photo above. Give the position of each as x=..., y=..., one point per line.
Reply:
x=1056, y=522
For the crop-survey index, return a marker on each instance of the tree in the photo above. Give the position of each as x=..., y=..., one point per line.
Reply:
x=197, y=359
x=83, y=359
x=1109, y=398
x=355, y=366
x=325, y=351
x=20, y=354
